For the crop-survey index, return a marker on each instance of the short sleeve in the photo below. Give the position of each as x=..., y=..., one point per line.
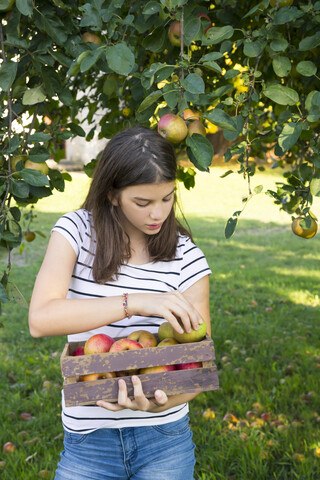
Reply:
x=73, y=226
x=194, y=264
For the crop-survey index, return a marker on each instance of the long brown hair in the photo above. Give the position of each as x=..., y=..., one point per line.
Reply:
x=133, y=157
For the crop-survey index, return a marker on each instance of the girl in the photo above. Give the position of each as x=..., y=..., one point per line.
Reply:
x=121, y=263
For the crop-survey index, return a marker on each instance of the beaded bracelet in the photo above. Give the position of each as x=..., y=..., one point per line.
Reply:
x=125, y=304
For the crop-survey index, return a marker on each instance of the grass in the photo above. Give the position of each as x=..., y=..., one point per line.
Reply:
x=265, y=320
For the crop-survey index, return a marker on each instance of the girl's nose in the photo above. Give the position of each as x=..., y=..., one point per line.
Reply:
x=156, y=213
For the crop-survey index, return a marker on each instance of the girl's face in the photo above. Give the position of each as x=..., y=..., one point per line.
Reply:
x=145, y=207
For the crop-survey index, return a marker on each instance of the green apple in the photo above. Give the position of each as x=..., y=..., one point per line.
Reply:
x=193, y=336
x=41, y=167
x=167, y=341
x=165, y=331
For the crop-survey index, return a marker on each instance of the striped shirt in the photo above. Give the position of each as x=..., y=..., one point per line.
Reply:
x=188, y=266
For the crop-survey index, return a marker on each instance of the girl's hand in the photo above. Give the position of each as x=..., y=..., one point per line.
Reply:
x=140, y=401
x=170, y=305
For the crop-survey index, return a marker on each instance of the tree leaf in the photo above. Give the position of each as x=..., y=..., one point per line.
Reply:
x=221, y=119
x=3, y=294
x=253, y=49
x=33, y=177
x=191, y=29
x=200, y=151
x=231, y=224
x=25, y=7
x=8, y=72
x=120, y=58
x=155, y=40
x=218, y=34
x=287, y=14
x=212, y=66
x=281, y=95
x=149, y=100
x=76, y=129
x=281, y=66
x=289, y=135
x=39, y=154
x=279, y=45
x=90, y=59
x=19, y=188
x=38, y=137
x=306, y=68
x=193, y=83
x=315, y=187
x=308, y=43
x=33, y=96
x=151, y=8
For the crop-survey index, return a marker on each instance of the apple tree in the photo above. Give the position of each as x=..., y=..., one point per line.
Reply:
x=187, y=68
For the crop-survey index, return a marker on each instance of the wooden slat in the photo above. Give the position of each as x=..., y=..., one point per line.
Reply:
x=173, y=383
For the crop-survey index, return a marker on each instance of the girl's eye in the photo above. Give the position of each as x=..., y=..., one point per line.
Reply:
x=140, y=205
x=167, y=199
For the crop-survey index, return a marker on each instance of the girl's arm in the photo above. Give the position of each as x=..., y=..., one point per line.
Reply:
x=52, y=314
x=198, y=295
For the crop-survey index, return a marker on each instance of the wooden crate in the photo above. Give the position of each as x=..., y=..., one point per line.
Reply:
x=172, y=382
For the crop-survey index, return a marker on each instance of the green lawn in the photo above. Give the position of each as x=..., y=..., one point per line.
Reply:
x=265, y=312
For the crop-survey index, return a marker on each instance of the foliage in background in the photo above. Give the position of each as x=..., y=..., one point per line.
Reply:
x=251, y=71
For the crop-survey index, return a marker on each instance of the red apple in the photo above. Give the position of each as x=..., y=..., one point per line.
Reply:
x=165, y=331
x=187, y=366
x=161, y=368
x=125, y=344
x=173, y=128
x=203, y=15
x=266, y=417
x=174, y=34
x=79, y=351
x=145, y=338
x=9, y=447
x=26, y=416
x=196, y=127
x=99, y=343
x=167, y=341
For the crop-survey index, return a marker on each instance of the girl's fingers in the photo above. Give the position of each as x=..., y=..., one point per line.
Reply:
x=141, y=400
x=160, y=397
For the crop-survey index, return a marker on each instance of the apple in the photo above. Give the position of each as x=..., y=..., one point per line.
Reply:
x=9, y=447
x=25, y=416
x=165, y=331
x=145, y=338
x=125, y=344
x=203, y=15
x=167, y=341
x=91, y=38
x=188, y=366
x=266, y=417
x=174, y=34
x=162, y=368
x=96, y=376
x=79, y=351
x=189, y=114
x=16, y=159
x=196, y=127
x=303, y=232
x=40, y=167
x=44, y=474
x=29, y=236
x=173, y=128
x=193, y=336
x=99, y=343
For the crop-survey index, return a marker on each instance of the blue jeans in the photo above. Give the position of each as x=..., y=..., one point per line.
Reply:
x=160, y=452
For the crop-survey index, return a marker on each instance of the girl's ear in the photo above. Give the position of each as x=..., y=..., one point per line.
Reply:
x=113, y=198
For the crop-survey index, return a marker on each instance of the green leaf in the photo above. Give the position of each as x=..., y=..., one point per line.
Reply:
x=19, y=188
x=200, y=151
x=3, y=294
x=281, y=66
x=258, y=189
x=212, y=66
x=218, y=34
x=90, y=59
x=151, y=8
x=313, y=100
x=33, y=96
x=25, y=7
x=8, y=72
x=120, y=58
x=193, y=83
x=211, y=57
x=225, y=174
x=231, y=224
x=279, y=45
x=191, y=29
x=306, y=68
x=315, y=187
x=39, y=154
x=287, y=15
x=289, y=135
x=308, y=43
x=38, y=137
x=76, y=129
x=221, y=119
x=254, y=9
x=52, y=80
x=281, y=95
x=33, y=177
x=155, y=40
x=149, y=100
x=253, y=49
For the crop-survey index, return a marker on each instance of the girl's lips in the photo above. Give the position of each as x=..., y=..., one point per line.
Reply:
x=155, y=226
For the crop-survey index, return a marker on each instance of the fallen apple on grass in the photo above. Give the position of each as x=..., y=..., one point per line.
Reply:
x=99, y=343
x=9, y=447
x=145, y=338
